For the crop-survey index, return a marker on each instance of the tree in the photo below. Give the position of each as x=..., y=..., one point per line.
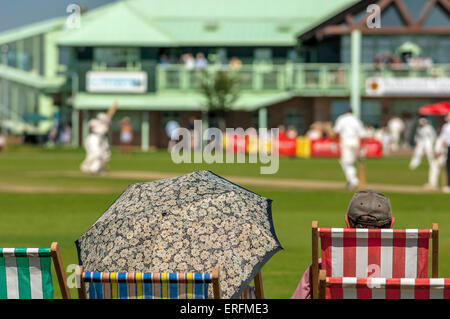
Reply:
x=221, y=90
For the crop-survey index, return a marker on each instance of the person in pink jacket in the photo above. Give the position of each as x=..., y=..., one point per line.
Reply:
x=367, y=209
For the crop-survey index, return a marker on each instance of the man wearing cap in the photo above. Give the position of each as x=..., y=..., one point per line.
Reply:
x=425, y=137
x=367, y=209
x=350, y=130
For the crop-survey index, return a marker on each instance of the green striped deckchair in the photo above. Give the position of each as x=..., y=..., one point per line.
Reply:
x=25, y=273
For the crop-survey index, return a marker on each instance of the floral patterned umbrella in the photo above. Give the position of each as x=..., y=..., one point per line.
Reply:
x=190, y=223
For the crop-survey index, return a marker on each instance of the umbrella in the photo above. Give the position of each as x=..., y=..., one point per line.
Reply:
x=441, y=108
x=34, y=117
x=190, y=223
x=409, y=47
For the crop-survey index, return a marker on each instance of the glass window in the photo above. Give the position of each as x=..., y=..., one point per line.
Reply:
x=295, y=118
x=371, y=112
x=263, y=54
x=338, y=107
x=116, y=57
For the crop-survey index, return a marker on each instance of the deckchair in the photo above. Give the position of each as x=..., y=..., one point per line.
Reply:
x=383, y=288
x=121, y=285
x=256, y=291
x=386, y=253
x=25, y=273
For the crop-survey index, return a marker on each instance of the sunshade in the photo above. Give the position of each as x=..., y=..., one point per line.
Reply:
x=190, y=223
x=34, y=117
x=410, y=47
x=441, y=108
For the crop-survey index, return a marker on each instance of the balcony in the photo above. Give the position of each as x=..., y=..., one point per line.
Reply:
x=308, y=79
x=303, y=79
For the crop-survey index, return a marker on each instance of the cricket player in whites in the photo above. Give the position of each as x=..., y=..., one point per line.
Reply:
x=98, y=152
x=437, y=164
x=350, y=130
x=425, y=137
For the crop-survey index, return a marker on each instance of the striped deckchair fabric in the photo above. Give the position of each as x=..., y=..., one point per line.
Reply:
x=385, y=288
x=386, y=253
x=25, y=273
x=393, y=253
x=120, y=285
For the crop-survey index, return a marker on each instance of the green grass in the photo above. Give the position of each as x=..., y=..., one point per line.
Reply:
x=32, y=220
x=16, y=168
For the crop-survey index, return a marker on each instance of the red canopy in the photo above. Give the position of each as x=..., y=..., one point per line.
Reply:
x=441, y=108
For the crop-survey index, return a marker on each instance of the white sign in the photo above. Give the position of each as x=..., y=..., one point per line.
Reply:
x=116, y=82
x=377, y=86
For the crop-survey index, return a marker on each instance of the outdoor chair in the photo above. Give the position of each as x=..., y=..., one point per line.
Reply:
x=25, y=273
x=385, y=253
x=256, y=291
x=121, y=285
x=383, y=288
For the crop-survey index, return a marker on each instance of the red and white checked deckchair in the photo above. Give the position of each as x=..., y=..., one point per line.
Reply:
x=383, y=288
x=386, y=253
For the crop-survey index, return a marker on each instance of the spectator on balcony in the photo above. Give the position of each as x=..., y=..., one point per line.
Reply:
x=235, y=63
x=188, y=60
x=200, y=61
x=396, y=63
x=378, y=62
x=387, y=59
x=164, y=61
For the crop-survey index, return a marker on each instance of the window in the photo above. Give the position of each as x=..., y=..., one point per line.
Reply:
x=295, y=118
x=371, y=112
x=116, y=57
x=338, y=107
x=263, y=54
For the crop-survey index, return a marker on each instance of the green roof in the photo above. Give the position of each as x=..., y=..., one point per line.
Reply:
x=29, y=79
x=31, y=30
x=200, y=22
x=168, y=101
x=119, y=23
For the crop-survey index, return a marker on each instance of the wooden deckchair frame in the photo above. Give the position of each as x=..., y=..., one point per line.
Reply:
x=259, y=290
x=82, y=294
x=315, y=256
x=59, y=269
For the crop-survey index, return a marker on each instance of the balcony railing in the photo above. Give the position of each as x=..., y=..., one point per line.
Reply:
x=304, y=78
x=307, y=78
